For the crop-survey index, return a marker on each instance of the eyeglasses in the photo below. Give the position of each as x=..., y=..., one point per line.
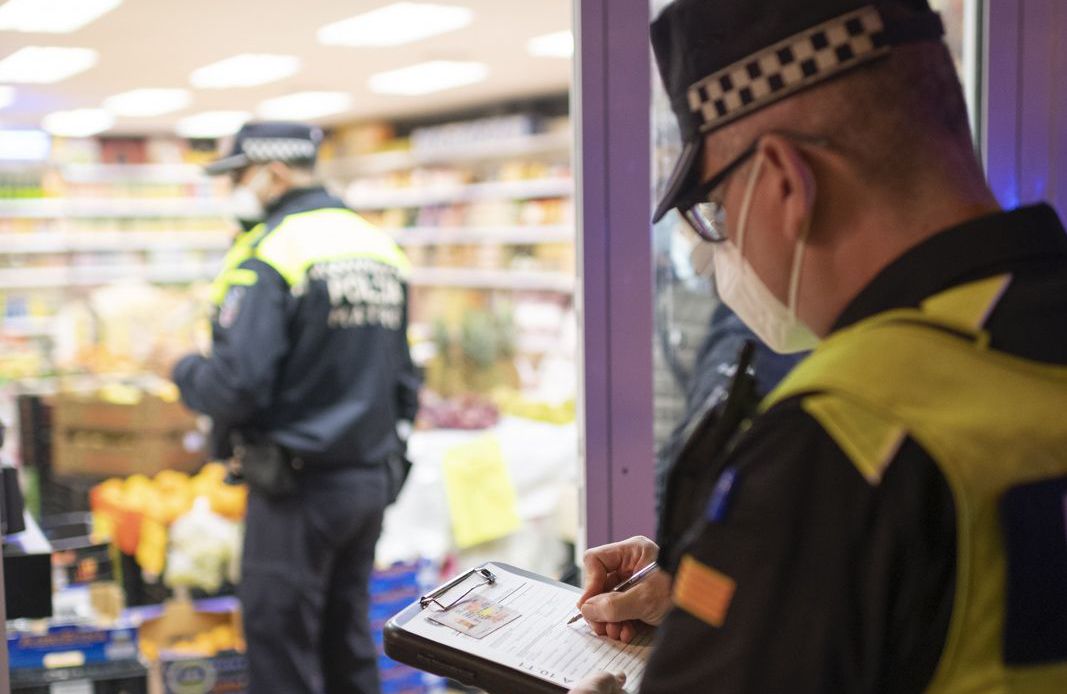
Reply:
x=706, y=214
x=707, y=217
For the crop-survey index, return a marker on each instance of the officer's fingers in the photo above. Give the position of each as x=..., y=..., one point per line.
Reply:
x=599, y=628
x=625, y=557
x=614, y=631
x=643, y=550
x=608, y=565
x=598, y=562
x=606, y=582
x=595, y=582
x=649, y=601
x=606, y=607
x=601, y=683
x=635, y=553
x=628, y=631
x=616, y=607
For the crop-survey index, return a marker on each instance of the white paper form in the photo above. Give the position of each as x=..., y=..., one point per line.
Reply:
x=539, y=642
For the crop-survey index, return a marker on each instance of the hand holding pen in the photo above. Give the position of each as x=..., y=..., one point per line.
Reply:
x=616, y=613
x=628, y=583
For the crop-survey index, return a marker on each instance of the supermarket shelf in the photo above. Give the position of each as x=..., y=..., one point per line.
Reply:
x=53, y=208
x=81, y=382
x=486, y=150
x=496, y=190
x=135, y=173
x=26, y=326
x=88, y=241
x=63, y=277
x=506, y=235
x=475, y=278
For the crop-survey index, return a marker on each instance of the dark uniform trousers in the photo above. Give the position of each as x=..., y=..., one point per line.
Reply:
x=304, y=590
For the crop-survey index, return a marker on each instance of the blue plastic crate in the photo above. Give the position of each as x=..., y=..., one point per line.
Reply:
x=392, y=590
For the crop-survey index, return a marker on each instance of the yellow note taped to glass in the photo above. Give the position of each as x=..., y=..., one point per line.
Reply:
x=481, y=497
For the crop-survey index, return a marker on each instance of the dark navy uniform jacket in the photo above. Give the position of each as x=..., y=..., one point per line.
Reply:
x=309, y=344
x=841, y=585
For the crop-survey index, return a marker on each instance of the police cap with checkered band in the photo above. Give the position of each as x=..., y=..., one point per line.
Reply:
x=722, y=60
x=258, y=143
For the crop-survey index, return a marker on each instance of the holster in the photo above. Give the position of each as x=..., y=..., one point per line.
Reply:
x=267, y=467
x=397, y=469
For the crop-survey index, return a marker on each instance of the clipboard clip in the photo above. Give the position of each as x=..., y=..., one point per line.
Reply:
x=487, y=578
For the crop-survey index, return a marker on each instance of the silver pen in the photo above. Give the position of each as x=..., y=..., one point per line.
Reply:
x=628, y=583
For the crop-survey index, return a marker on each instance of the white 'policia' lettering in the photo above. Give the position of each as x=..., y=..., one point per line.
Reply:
x=362, y=292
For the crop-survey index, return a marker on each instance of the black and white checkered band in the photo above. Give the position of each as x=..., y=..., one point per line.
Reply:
x=788, y=66
x=278, y=149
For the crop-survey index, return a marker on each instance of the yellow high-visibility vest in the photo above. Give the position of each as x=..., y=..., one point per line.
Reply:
x=303, y=240
x=991, y=422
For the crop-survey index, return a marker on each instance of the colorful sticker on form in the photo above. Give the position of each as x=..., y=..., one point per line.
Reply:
x=476, y=617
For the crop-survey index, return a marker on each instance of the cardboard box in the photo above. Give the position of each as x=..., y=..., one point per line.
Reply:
x=102, y=439
x=71, y=646
x=151, y=415
x=125, y=677
x=214, y=670
x=86, y=564
x=224, y=673
x=105, y=454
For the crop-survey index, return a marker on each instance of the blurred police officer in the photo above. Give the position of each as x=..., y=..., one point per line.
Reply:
x=308, y=378
x=893, y=518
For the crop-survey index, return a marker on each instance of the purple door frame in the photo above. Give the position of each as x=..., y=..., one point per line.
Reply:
x=612, y=73
x=1025, y=95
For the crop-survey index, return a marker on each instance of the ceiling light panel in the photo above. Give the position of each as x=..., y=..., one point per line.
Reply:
x=305, y=105
x=145, y=103
x=52, y=16
x=396, y=24
x=24, y=145
x=81, y=122
x=426, y=78
x=559, y=44
x=212, y=124
x=245, y=70
x=45, y=65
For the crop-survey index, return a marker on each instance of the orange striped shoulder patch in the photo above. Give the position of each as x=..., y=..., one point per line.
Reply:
x=703, y=592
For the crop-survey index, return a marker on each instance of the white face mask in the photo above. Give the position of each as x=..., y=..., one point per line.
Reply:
x=702, y=258
x=246, y=203
x=744, y=292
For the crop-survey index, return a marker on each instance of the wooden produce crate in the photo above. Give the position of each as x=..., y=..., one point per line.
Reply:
x=149, y=416
x=101, y=439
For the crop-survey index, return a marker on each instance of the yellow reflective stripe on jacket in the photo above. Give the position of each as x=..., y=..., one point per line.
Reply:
x=242, y=277
x=309, y=238
x=241, y=250
x=990, y=420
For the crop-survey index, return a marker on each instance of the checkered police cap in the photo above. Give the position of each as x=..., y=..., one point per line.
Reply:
x=257, y=143
x=722, y=60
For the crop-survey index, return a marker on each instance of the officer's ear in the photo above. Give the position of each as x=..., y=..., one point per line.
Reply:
x=280, y=174
x=794, y=182
x=281, y=179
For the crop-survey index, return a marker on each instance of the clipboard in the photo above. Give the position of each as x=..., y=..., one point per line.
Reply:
x=454, y=661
